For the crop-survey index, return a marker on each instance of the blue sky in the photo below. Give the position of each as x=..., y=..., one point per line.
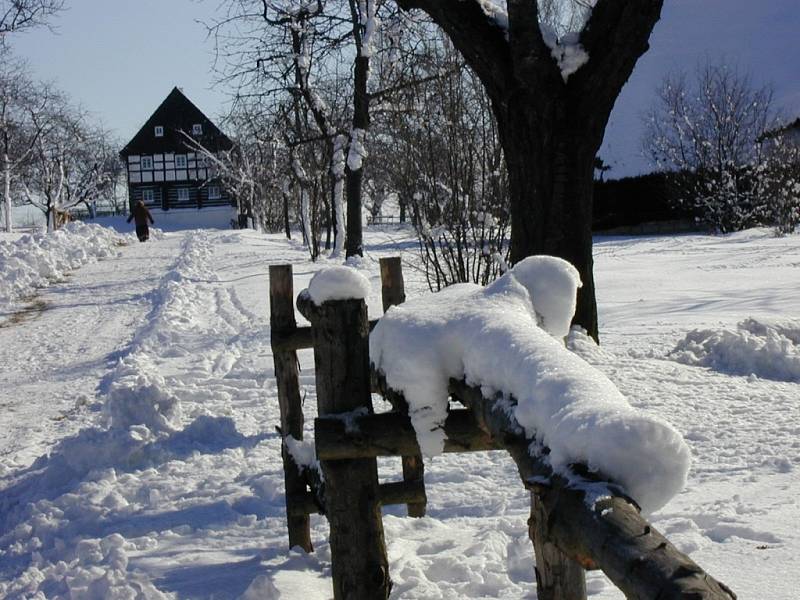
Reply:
x=120, y=58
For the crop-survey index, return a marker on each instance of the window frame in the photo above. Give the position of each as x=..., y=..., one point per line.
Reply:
x=218, y=192
x=159, y=131
x=184, y=191
x=146, y=163
x=181, y=161
x=197, y=129
x=148, y=192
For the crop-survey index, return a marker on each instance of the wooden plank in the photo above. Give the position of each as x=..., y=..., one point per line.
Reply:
x=282, y=322
x=360, y=567
x=393, y=292
x=391, y=434
x=396, y=492
x=299, y=338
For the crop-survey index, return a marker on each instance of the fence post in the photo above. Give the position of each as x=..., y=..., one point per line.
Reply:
x=557, y=576
x=340, y=331
x=282, y=322
x=393, y=292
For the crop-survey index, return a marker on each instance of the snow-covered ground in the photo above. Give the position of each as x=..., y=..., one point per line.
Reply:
x=139, y=456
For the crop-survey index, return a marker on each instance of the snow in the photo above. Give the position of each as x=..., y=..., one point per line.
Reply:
x=567, y=51
x=489, y=336
x=771, y=351
x=338, y=283
x=553, y=285
x=182, y=496
x=496, y=13
x=357, y=151
x=37, y=259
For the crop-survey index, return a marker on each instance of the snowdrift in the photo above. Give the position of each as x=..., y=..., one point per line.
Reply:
x=766, y=350
x=507, y=338
x=35, y=260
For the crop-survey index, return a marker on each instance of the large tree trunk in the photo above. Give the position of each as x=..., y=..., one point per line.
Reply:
x=550, y=183
x=552, y=116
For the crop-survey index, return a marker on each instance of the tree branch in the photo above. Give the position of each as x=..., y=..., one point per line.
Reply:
x=615, y=37
x=480, y=39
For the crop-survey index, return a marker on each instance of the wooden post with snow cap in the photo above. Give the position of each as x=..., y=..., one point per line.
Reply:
x=392, y=293
x=340, y=331
x=282, y=323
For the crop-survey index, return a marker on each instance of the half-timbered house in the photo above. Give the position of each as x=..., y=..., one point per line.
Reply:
x=168, y=164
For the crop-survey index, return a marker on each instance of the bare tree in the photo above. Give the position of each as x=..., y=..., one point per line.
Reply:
x=19, y=15
x=777, y=176
x=23, y=120
x=70, y=162
x=705, y=132
x=439, y=150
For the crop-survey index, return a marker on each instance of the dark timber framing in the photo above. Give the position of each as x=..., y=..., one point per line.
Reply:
x=164, y=167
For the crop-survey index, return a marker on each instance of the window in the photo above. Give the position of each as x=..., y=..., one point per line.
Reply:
x=213, y=192
x=147, y=162
x=183, y=194
x=197, y=129
x=148, y=196
x=159, y=131
x=180, y=161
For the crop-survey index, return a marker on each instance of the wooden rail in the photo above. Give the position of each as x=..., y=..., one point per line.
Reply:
x=572, y=527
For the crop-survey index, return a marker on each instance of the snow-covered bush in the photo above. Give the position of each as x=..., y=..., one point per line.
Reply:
x=711, y=134
x=446, y=163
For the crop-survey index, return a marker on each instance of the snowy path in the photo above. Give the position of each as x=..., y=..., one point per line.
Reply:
x=55, y=356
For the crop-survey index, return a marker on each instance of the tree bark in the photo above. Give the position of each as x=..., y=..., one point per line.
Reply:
x=550, y=185
x=7, y=192
x=354, y=244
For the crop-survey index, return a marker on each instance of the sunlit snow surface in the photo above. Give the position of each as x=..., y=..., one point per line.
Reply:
x=180, y=494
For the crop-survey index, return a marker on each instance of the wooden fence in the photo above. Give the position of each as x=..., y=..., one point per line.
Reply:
x=569, y=534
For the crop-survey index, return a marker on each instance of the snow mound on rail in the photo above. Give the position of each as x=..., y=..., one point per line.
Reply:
x=35, y=260
x=493, y=337
x=766, y=350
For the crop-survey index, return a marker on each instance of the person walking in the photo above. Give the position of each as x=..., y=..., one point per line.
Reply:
x=141, y=215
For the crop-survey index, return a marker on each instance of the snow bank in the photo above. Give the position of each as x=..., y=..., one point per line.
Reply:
x=338, y=283
x=766, y=350
x=491, y=336
x=35, y=260
x=60, y=522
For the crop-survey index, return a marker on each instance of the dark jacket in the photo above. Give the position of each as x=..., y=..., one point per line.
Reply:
x=141, y=215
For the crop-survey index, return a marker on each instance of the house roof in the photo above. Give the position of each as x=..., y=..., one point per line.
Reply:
x=176, y=114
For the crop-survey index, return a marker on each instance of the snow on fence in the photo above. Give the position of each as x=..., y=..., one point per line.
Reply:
x=580, y=518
